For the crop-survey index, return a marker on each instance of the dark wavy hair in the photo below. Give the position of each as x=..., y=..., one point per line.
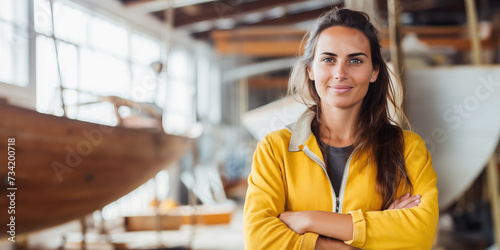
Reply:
x=375, y=131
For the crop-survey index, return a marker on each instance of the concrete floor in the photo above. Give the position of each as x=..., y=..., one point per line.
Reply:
x=199, y=237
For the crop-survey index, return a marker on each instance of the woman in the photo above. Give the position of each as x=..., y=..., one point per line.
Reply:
x=334, y=177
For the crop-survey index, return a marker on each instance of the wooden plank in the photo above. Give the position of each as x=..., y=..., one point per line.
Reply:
x=173, y=220
x=207, y=219
x=277, y=30
x=280, y=41
x=492, y=171
x=258, y=32
x=225, y=9
x=296, y=17
x=422, y=5
x=291, y=48
x=259, y=48
x=149, y=223
x=473, y=31
x=456, y=30
x=145, y=6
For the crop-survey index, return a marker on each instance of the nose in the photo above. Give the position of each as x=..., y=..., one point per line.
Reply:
x=339, y=73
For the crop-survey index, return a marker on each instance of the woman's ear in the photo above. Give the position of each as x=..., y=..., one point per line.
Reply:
x=375, y=71
x=310, y=73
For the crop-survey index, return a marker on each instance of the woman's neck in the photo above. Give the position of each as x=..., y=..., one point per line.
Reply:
x=336, y=127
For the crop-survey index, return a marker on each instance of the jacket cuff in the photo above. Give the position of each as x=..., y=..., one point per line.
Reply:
x=359, y=229
x=309, y=241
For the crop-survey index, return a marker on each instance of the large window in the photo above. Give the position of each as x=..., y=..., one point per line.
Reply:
x=97, y=57
x=180, y=96
x=14, y=42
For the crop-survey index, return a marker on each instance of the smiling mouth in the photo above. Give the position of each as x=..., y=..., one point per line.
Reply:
x=340, y=89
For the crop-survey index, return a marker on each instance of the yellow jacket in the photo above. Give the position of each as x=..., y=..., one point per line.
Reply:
x=288, y=174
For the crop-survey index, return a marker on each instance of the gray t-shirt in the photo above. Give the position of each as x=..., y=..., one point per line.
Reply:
x=336, y=158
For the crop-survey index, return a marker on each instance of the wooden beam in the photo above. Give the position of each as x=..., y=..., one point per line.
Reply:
x=459, y=31
x=473, y=31
x=222, y=9
x=459, y=44
x=492, y=175
x=239, y=13
x=295, y=18
x=264, y=42
x=146, y=6
x=396, y=50
x=259, y=48
x=286, y=41
x=258, y=32
x=421, y=5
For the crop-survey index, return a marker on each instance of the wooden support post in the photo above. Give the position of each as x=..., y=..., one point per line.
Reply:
x=394, y=9
x=83, y=229
x=492, y=168
x=474, y=38
x=492, y=175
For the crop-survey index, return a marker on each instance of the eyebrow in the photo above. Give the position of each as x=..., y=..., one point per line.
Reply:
x=350, y=55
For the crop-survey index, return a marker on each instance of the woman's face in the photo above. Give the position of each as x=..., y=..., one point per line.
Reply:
x=342, y=67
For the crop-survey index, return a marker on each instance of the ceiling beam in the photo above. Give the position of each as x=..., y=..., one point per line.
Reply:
x=271, y=48
x=147, y=6
x=258, y=32
x=286, y=41
x=229, y=9
x=287, y=19
x=294, y=18
x=421, y=5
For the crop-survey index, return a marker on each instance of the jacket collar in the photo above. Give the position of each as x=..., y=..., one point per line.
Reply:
x=301, y=132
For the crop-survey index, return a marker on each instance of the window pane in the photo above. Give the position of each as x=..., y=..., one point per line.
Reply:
x=68, y=61
x=145, y=50
x=70, y=24
x=144, y=85
x=43, y=23
x=14, y=42
x=15, y=12
x=102, y=113
x=47, y=90
x=179, y=93
x=104, y=74
x=109, y=37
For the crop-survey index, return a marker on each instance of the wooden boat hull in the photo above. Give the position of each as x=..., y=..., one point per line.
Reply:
x=65, y=169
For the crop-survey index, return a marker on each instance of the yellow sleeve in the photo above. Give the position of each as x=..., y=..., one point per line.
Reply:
x=408, y=228
x=265, y=201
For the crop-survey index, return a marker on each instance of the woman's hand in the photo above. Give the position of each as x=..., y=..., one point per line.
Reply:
x=405, y=201
x=330, y=224
x=302, y=221
x=325, y=243
x=297, y=221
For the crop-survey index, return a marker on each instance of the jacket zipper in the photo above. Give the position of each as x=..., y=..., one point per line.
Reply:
x=337, y=200
x=337, y=206
x=318, y=160
x=344, y=181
